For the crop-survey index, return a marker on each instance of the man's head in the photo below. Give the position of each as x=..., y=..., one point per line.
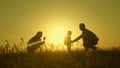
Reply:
x=82, y=26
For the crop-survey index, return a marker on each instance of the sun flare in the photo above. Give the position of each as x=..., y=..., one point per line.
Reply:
x=58, y=34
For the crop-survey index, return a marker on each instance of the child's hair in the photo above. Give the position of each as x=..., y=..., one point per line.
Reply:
x=69, y=32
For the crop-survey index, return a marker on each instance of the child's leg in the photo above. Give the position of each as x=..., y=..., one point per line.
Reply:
x=69, y=47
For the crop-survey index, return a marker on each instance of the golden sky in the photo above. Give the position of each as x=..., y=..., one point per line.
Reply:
x=24, y=18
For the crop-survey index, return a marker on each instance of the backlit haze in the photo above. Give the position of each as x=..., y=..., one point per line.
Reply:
x=55, y=17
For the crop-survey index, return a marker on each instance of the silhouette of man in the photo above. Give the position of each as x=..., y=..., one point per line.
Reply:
x=67, y=40
x=35, y=42
x=88, y=37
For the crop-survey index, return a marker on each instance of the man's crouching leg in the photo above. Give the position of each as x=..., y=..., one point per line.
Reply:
x=86, y=47
x=93, y=47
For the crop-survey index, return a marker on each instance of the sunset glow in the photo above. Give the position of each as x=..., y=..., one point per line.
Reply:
x=54, y=18
x=58, y=34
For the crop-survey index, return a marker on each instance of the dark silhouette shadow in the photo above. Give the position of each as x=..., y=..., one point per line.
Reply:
x=35, y=42
x=2, y=64
x=89, y=38
x=67, y=40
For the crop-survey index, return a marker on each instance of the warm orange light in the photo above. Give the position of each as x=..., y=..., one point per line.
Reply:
x=58, y=34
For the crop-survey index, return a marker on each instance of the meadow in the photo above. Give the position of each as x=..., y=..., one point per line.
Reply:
x=59, y=59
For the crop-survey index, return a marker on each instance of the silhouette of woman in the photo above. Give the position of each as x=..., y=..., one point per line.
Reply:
x=35, y=42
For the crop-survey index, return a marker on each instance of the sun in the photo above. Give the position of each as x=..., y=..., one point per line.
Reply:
x=58, y=34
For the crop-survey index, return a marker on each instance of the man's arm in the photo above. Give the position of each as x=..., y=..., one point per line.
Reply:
x=76, y=39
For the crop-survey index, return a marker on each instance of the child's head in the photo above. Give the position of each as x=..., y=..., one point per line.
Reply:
x=69, y=33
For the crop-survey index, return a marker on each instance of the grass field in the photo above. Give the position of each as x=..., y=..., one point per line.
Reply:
x=62, y=59
x=17, y=57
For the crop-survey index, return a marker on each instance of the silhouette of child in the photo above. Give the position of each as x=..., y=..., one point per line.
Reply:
x=67, y=40
x=35, y=42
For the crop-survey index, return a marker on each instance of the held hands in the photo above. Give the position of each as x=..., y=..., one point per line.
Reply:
x=71, y=42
